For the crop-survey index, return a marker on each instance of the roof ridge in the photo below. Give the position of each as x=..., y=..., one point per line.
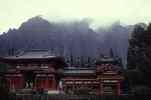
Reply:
x=37, y=50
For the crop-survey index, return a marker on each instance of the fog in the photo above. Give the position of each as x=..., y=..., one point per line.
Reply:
x=102, y=12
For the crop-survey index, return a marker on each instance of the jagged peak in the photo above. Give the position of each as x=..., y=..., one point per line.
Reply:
x=35, y=22
x=37, y=19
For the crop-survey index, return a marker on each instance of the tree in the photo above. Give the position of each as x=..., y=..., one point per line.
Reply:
x=145, y=64
x=4, y=90
x=135, y=46
x=135, y=56
x=139, y=53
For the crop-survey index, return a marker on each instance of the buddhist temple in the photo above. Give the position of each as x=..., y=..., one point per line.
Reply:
x=40, y=70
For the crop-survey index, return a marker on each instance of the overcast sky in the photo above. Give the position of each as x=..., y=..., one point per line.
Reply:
x=14, y=12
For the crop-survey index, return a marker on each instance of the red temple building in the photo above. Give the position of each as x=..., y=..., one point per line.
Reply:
x=38, y=69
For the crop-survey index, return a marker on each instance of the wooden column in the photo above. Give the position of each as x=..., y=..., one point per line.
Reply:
x=13, y=83
x=98, y=89
x=35, y=83
x=118, y=88
x=53, y=83
x=42, y=83
x=10, y=83
x=47, y=83
x=17, y=82
x=101, y=88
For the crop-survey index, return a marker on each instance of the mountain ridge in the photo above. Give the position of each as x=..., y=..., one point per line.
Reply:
x=75, y=38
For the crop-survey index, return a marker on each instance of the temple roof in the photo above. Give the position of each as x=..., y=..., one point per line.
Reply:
x=112, y=60
x=32, y=54
x=107, y=59
x=78, y=70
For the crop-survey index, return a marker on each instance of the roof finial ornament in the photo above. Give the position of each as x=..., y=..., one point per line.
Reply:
x=111, y=53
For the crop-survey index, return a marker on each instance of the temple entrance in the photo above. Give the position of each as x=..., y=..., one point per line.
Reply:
x=29, y=77
x=110, y=89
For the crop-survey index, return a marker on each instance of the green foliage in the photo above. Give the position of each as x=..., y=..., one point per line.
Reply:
x=141, y=90
x=3, y=67
x=134, y=77
x=4, y=91
x=139, y=53
x=135, y=48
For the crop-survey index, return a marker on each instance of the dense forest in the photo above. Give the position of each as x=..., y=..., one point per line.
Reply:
x=139, y=59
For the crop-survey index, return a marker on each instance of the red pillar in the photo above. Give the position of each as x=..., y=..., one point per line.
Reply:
x=53, y=83
x=46, y=83
x=16, y=83
x=9, y=83
x=35, y=83
x=118, y=88
x=101, y=88
x=38, y=83
x=98, y=89
x=42, y=83
x=13, y=83
x=21, y=82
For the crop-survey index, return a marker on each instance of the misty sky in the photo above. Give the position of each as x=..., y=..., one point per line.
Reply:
x=14, y=12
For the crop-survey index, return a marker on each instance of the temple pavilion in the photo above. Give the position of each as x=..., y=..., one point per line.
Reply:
x=39, y=69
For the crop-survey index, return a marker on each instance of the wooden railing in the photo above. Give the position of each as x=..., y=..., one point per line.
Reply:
x=77, y=97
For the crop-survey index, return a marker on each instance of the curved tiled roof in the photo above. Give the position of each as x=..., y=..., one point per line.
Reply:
x=32, y=54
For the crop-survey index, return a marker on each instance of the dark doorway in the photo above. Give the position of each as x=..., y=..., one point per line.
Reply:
x=29, y=77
